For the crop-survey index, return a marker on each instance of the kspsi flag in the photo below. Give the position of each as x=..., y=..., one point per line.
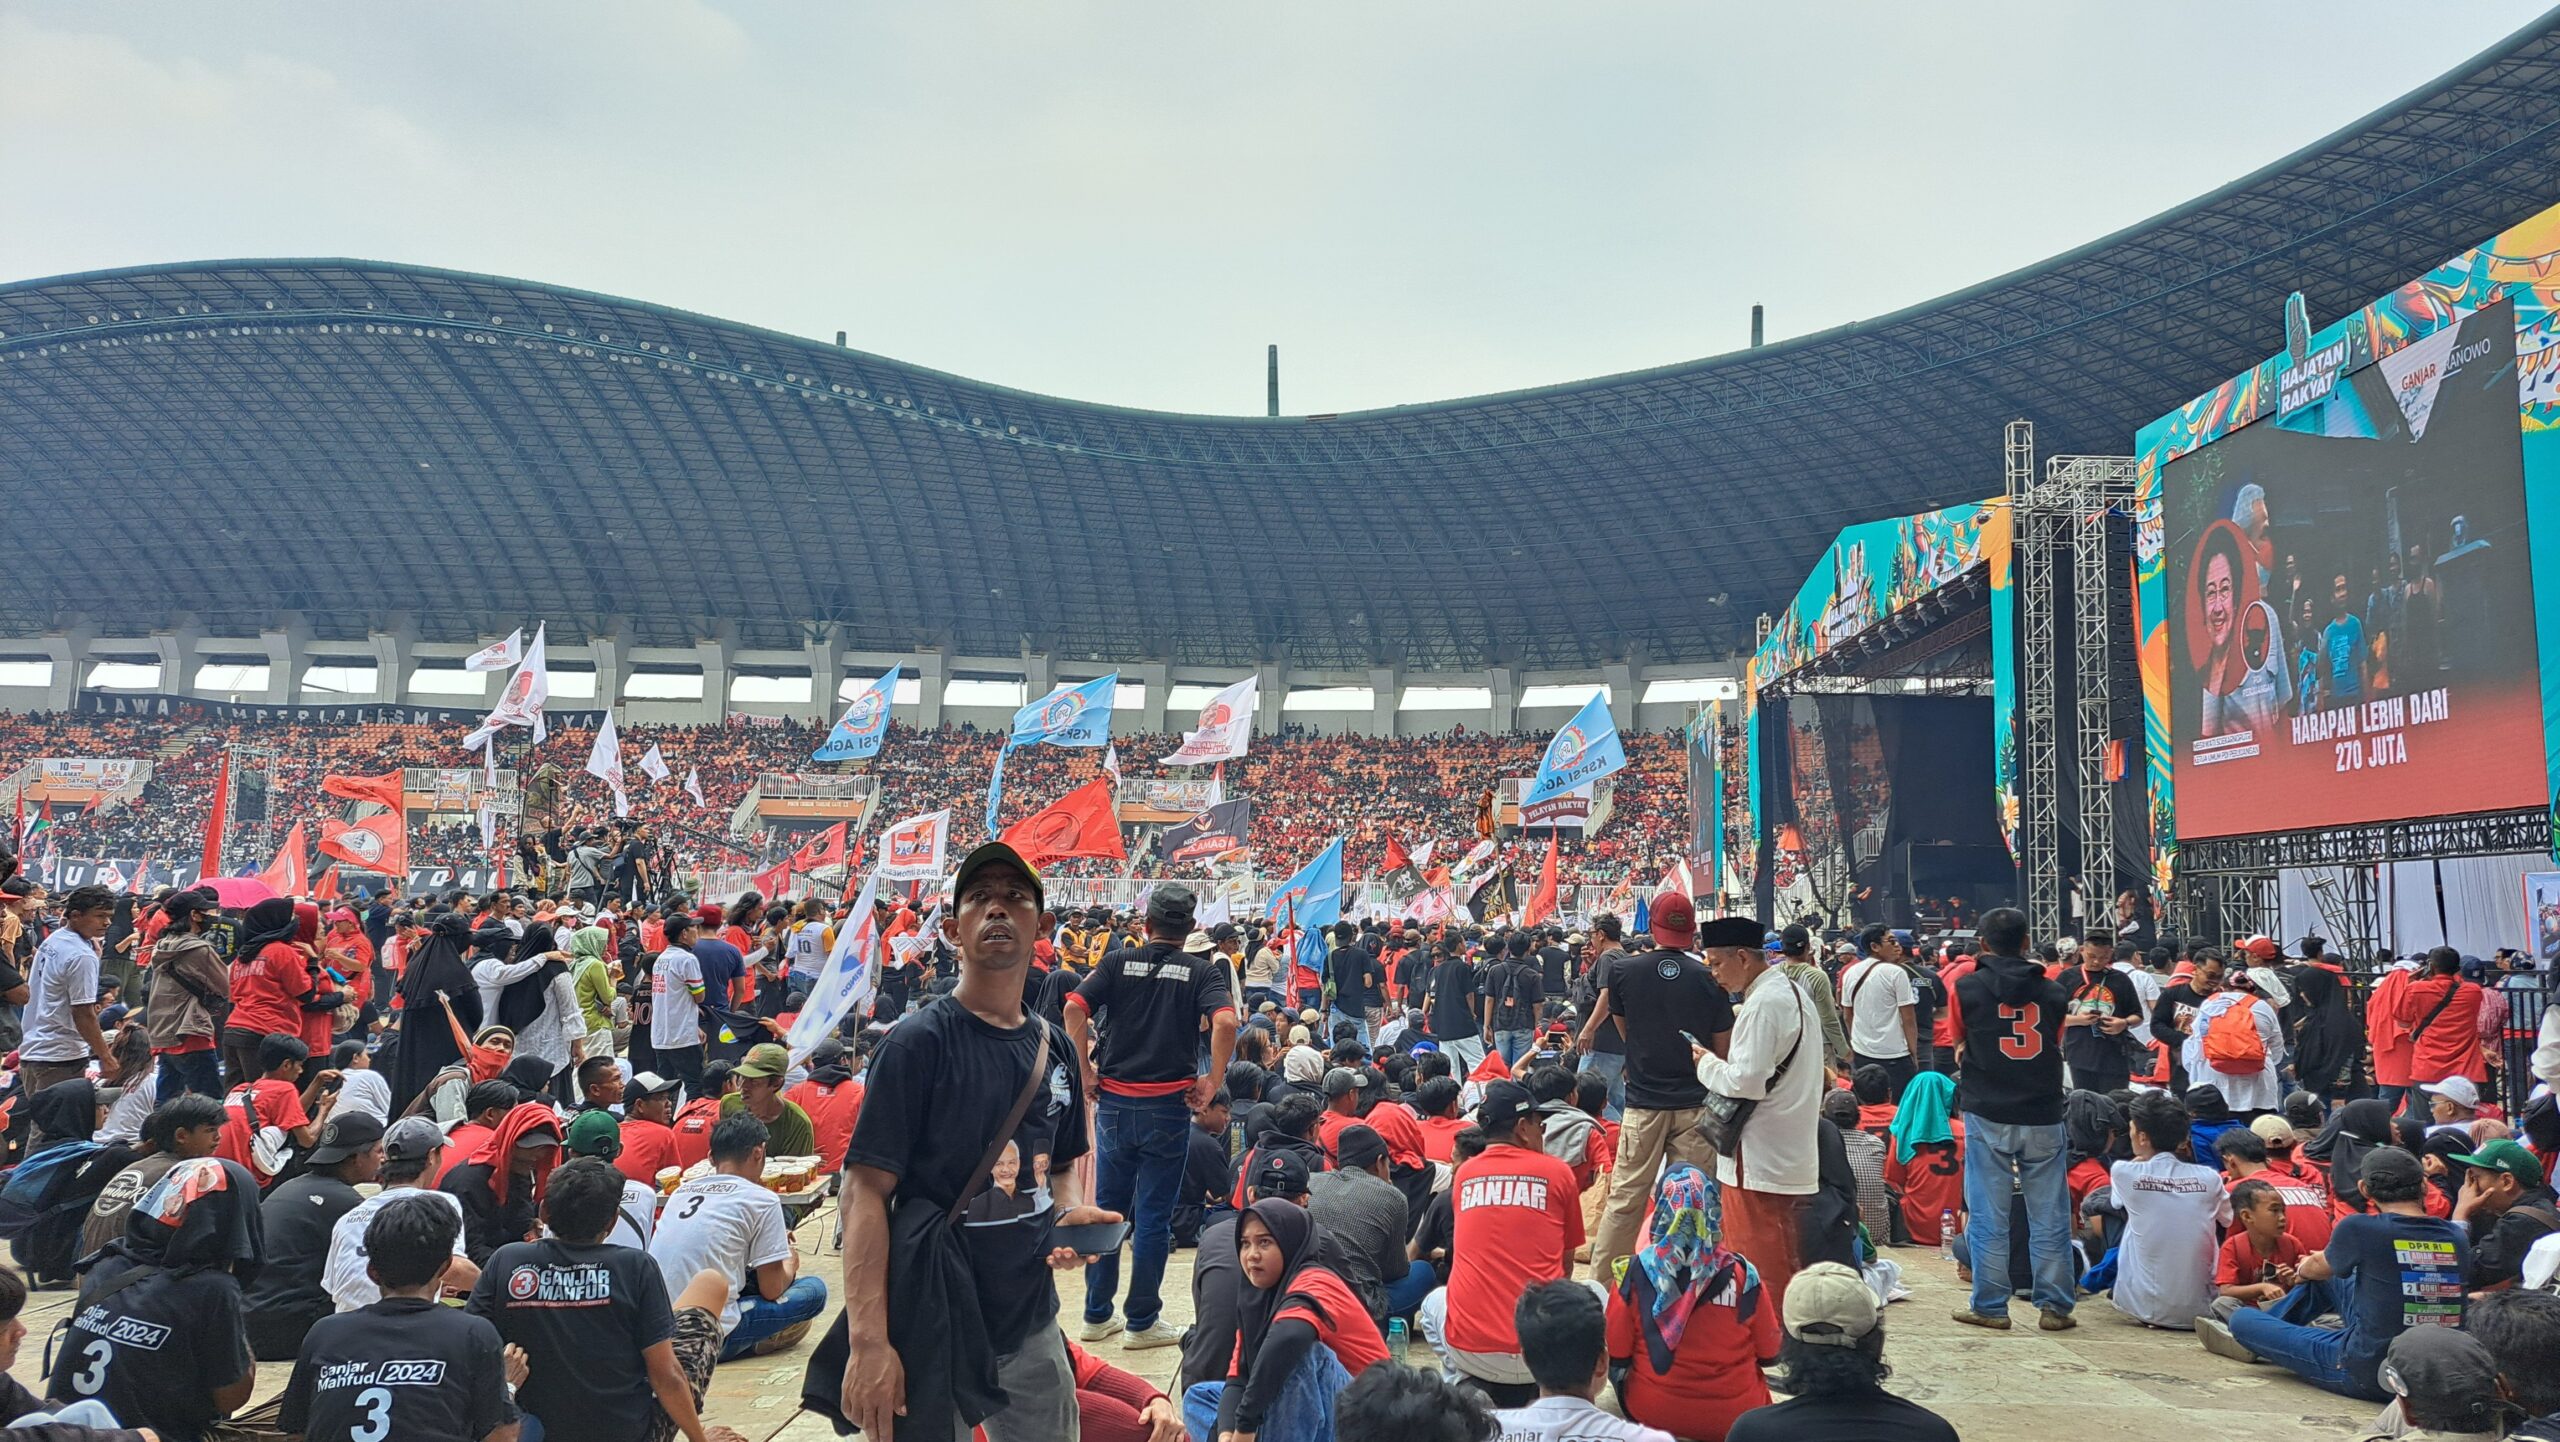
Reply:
x=1584, y=751
x=1313, y=897
x=1068, y=716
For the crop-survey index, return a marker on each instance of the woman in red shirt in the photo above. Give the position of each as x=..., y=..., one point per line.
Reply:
x=1689, y=1320
x=1925, y=1163
x=270, y=974
x=1290, y=1304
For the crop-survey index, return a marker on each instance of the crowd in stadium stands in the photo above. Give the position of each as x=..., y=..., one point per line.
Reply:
x=1306, y=788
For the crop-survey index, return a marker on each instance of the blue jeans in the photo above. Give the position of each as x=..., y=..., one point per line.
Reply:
x=190, y=1071
x=1613, y=1066
x=1406, y=1293
x=758, y=1319
x=1996, y=1154
x=1512, y=1044
x=1336, y=1017
x=1138, y=1164
x=1303, y=1412
x=2318, y=1355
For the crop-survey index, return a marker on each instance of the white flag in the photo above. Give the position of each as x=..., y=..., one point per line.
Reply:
x=1422, y=854
x=1226, y=726
x=488, y=825
x=913, y=849
x=849, y=979
x=497, y=657
x=1111, y=763
x=604, y=762
x=693, y=785
x=653, y=763
x=528, y=691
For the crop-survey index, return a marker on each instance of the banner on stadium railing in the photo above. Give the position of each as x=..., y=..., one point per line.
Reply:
x=82, y=780
x=146, y=874
x=153, y=705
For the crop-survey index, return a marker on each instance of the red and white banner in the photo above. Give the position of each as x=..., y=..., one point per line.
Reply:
x=377, y=843
x=913, y=849
x=290, y=873
x=1226, y=726
x=528, y=691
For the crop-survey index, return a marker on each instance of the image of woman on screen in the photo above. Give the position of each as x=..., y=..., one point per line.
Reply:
x=2245, y=682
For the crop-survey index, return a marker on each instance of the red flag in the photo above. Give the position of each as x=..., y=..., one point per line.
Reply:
x=1396, y=860
x=289, y=874
x=1084, y=822
x=385, y=790
x=212, y=866
x=1542, y=902
x=378, y=843
x=1492, y=1068
x=824, y=850
x=326, y=888
x=773, y=880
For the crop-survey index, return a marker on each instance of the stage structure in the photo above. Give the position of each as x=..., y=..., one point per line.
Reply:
x=2349, y=584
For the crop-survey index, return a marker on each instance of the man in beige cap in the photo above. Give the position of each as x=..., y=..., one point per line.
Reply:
x=1834, y=1369
x=761, y=1078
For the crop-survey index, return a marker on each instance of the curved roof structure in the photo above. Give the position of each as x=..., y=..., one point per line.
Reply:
x=354, y=441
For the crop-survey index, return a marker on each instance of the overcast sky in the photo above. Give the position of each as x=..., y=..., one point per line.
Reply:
x=1125, y=200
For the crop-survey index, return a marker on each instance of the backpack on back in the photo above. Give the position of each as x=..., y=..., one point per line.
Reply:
x=2231, y=1041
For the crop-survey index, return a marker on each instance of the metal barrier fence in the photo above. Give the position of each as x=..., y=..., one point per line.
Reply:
x=2506, y=1044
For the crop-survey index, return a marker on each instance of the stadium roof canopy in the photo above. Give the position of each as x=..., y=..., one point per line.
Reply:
x=356, y=441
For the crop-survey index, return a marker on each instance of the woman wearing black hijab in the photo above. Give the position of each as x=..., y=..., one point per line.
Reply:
x=529, y=1006
x=426, y=1040
x=2351, y=1131
x=1289, y=1301
x=2325, y=1049
x=160, y=1313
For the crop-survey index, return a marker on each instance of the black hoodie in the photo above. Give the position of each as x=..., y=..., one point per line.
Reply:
x=2012, y=1026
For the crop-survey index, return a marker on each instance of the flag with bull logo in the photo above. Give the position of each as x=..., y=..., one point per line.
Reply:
x=1586, y=749
x=528, y=691
x=865, y=723
x=1068, y=716
x=1084, y=822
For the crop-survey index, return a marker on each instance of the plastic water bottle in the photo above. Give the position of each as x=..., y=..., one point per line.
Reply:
x=1395, y=1339
x=1947, y=1234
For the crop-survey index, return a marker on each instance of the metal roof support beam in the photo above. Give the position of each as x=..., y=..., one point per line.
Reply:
x=825, y=650
x=613, y=661
x=1157, y=677
x=1504, y=682
x=933, y=672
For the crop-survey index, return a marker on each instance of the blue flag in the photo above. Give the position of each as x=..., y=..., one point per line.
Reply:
x=864, y=725
x=1644, y=916
x=1583, y=752
x=1072, y=716
x=1076, y=716
x=1313, y=897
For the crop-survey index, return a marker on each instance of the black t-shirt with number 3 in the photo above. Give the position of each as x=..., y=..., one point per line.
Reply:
x=154, y=1352
x=403, y=1367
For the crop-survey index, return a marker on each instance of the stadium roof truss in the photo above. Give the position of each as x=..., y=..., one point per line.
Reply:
x=354, y=443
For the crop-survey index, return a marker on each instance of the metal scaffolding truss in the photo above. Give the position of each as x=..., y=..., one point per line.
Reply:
x=2229, y=883
x=2077, y=515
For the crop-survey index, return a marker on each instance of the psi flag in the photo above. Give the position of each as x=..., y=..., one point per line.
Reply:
x=865, y=723
x=497, y=657
x=1584, y=751
x=1084, y=822
x=1214, y=832
x=528, y=691
x=1226, y=726
x=913, y=849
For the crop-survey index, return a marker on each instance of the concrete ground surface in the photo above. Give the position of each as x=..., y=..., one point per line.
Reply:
x=2109, y=1378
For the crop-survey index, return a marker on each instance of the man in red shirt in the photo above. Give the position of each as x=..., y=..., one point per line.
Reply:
x=648, y=1138
x=832, y=1098
x=2441, y=1013
x=693, y=1124
x=1516, y=1222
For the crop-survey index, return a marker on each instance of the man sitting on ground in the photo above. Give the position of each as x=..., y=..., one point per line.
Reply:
x=403, y=1365
x=788, y=1130
x=1564, y=1336
x=289, y=1292
x=648, y=1131
x=731, y=1223
x=412, y=1158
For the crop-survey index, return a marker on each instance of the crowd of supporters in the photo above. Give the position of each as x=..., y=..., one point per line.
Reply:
x=1306, y=788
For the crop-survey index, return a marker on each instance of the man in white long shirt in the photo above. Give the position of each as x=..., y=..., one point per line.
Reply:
x=1775, y=1059
x=2249, y=1091
x=557, y=1035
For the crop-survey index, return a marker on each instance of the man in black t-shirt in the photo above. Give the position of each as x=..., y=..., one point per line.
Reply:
x=2174, y=1014
x=938, y=1092
x=1659, y=1002
x=2009, y=1018
x=1356, y=975
x=2103, y=1007
x=1554, y=964
x=608, y=1357
x=1145, y=1083
x=1604, y=1048
x=1512, y=994
x=289, y=1293
x=1450, y=1007
x=403, y=1365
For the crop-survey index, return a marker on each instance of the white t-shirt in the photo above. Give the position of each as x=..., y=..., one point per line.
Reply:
x=344, y=1277
x=723, y=1224
x=133, y=1106
x=2173, y=1210
x=1570, y=1419
x=1875, y=993
x=676, y=1020
x=637, y=1219
x=63, y=974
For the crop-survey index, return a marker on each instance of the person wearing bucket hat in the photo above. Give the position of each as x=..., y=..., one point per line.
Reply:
x=942, y=1088
x=1832, y=1362
x=761, y=1078
x=2507, y=1204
